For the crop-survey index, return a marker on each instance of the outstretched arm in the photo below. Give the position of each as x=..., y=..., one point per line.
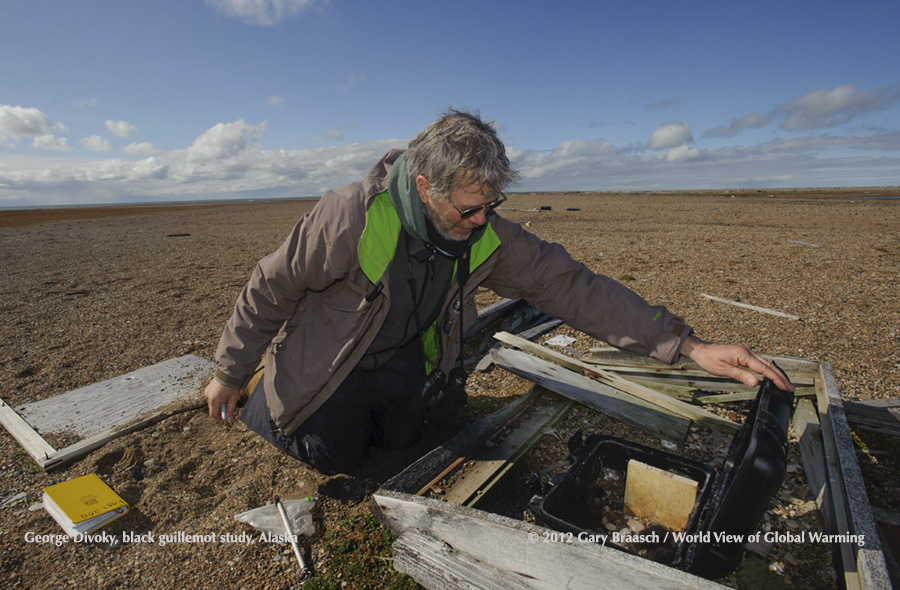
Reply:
x=727, y=360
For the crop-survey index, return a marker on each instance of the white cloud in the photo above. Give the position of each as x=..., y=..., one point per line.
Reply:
x=140, y=149
x=95, y=143
x=684, y=153
x=824, y=108
x=820, y=109
x=226, y=160
x=17, y=122
x=121, y=129
x=670, y=135
x=353, y=78
x=51, y=143
x=751, y=121
x=86, y=102
x=225, y=140
x=263, y=12
x=276, y=100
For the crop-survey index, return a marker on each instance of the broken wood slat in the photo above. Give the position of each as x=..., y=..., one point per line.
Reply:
x=528, y=334
x=698, y=379
x=607, y=354
x=593, y=394
x=812, y=454
x=884, y=419
x=751, y=307
x=530, y=554
x=33, y=443
x=644, y=393
x=493, y=462
x=853, y=514
x=747, y=396
x=435, y=564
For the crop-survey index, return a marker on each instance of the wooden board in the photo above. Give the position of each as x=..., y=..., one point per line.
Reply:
x=94, y=409
x=660, y=496
x=533, y=556
x=493, y=462
x=104, y=411
x=853, y=514
x=654, y=398
x=597, y=396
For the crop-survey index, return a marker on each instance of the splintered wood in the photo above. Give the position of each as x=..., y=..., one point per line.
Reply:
x=657, y=495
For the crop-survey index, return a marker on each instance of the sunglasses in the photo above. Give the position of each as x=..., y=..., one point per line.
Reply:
x=488, y=207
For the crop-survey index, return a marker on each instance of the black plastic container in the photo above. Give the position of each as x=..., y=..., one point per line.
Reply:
x=730, y=501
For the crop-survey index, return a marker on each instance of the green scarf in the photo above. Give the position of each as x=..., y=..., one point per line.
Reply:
x=405, y=198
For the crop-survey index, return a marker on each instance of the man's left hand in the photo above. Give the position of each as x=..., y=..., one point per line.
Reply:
x=727, y=360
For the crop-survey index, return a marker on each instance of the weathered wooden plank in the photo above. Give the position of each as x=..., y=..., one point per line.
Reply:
x=853, y=513
x=33, y=443
x=812, y=454
x=666, y=403
x=471, y=484
x=747, y=395
x=529, y=553
x=694, y=379
x=436, y=565
x=95, y=409
x=529, y=334
x=751, y=307
x=593, y=394
x=426, y=471
x=607, y=354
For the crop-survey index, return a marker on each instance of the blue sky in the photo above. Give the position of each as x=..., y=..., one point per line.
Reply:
x=124, y=101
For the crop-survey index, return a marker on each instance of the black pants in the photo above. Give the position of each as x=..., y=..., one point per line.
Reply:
x=368, y=408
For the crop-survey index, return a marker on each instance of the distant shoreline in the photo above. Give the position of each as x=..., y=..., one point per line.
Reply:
x=10, y=217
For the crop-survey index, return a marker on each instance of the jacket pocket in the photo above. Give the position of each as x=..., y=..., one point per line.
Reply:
x=311, y=346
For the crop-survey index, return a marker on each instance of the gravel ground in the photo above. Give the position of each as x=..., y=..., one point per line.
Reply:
x=91, y=294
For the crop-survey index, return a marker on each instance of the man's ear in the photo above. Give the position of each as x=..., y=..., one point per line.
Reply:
x=424, y=188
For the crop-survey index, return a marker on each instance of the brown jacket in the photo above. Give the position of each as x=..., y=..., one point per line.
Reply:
x=313, y=310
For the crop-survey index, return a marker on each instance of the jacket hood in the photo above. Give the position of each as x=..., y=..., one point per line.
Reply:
x=405, y=197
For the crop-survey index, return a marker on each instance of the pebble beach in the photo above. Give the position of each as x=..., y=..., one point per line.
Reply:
x=92, y=293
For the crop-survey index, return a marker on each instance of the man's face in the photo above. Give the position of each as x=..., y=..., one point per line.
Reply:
x=446, y=217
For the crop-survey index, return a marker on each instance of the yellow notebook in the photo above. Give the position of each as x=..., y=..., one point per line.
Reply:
x=83, y=504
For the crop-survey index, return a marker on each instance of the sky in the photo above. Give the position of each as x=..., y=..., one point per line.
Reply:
x=117, y=101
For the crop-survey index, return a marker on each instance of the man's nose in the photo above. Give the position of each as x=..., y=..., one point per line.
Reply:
x=479, y=218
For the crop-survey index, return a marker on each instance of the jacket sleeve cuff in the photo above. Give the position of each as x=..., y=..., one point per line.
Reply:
x=227, y=380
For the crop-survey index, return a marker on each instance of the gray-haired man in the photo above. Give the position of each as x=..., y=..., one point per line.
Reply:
x=362, y=307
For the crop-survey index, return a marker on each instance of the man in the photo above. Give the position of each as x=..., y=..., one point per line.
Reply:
x=359, y=314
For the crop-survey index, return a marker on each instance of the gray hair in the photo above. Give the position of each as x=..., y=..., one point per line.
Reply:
x=458, y=150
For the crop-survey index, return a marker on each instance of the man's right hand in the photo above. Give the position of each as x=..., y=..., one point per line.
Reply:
x=217, y=394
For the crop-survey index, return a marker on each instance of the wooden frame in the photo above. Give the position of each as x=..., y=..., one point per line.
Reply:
x=443, y=545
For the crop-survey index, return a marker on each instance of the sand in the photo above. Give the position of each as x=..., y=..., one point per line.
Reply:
x=93, y=294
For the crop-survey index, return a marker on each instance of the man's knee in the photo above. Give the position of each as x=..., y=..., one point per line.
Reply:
x=327, y=457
